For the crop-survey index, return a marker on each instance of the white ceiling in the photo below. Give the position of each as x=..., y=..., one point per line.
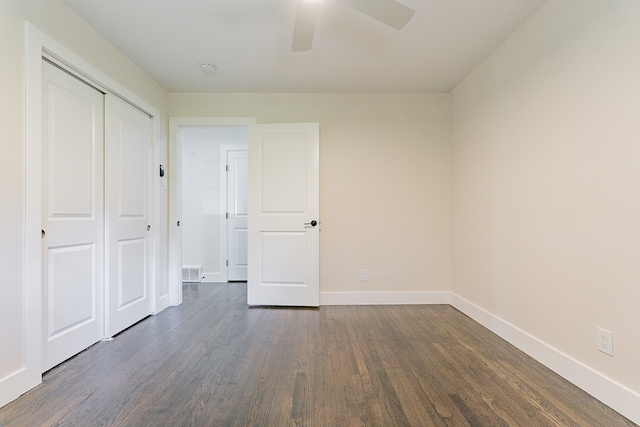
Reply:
x=249, y=41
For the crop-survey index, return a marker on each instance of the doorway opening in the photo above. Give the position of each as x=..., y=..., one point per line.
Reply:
x=209, y=189
x=214, y=204
x=283, y=210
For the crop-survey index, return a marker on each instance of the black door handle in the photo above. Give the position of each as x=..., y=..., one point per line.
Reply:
x=313, y=223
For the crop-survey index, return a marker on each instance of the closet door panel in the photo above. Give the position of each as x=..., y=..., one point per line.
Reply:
x=128, y=210
x=73, y=216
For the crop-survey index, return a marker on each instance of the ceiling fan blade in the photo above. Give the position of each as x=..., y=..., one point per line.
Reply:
x=305, y=25
x=388, y=12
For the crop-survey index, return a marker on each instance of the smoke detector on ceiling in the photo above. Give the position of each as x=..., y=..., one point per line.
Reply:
x=207, y=68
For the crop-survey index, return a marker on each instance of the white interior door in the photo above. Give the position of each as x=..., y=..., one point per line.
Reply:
x=73, y=233
x=284, y=215
x=237, y=222
x=128, y=209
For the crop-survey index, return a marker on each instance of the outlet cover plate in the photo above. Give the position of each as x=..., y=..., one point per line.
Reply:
x=605, y=341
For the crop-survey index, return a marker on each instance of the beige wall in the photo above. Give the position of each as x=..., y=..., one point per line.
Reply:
x=384, y=181
x=53, y=18
x=546, y=182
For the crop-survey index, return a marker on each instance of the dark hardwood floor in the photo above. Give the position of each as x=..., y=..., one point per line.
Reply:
x=215, y=362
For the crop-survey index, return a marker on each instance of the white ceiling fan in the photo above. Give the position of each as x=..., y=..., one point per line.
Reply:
x=390, y=12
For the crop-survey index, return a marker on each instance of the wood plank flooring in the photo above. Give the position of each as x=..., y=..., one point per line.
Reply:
x=215, y=362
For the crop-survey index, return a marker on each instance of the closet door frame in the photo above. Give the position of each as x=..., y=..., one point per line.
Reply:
x=37, y=46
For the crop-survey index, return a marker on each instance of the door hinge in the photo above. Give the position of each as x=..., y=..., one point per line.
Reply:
x=226, y=215
x=227, y=168
x=227, y=263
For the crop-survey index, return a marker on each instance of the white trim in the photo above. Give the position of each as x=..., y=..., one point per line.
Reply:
x=215, y=277
x=204, y=122
x=384, y=298
x=223, y=249
x=11, y=383
x=175, y=191
x=606, y=390
x=101, y=83
x=31, y=372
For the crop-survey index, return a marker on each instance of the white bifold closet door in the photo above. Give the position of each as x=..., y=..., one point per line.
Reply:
x=72, y=216
x=128, y=215
x=96, y=215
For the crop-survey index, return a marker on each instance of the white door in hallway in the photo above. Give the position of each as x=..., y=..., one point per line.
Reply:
x=72, y=216
x=284, y=215
x=128, y=146
x=237, y=187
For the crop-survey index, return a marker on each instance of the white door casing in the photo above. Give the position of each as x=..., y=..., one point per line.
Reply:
x=72, y=216
x=237, y=214
x=128, y=150
x=283, y=264
x=38, y=45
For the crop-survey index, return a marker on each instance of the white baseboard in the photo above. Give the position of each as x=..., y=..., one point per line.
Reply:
x=161, y=304
x=214, y=278
x=611, y=393
x=384, y=298
x=14, y=385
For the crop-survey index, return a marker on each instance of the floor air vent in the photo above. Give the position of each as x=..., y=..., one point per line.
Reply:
x=192, y=274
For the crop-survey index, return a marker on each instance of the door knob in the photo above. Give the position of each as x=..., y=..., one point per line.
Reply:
x=43, y=234
x=148, y=227
x=313, y=223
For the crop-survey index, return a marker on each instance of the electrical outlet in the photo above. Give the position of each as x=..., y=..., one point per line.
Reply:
x=364, y=275
x=605, y=341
